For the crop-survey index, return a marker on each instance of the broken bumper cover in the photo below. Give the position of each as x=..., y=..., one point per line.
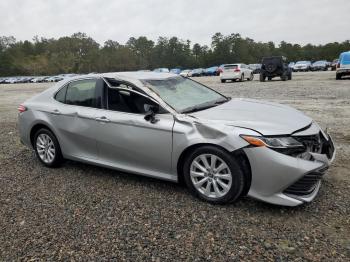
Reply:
x=287, y=180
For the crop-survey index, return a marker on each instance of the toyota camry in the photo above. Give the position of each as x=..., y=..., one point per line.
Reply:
x=173, y=128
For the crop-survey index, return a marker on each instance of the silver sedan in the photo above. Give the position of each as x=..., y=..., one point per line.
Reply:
x=173, y=128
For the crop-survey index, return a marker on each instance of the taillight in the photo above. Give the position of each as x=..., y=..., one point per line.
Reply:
x=237, y=70
x=22, y=108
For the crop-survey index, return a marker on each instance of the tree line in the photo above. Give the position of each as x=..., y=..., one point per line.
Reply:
x=80, y=53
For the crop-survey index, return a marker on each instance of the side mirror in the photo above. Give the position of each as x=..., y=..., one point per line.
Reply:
x=151, y=110
x=124, y=92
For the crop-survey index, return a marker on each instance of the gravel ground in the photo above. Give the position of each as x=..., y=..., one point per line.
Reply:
x=81, y=212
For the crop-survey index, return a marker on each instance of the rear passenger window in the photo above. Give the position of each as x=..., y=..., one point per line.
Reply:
x=82, y=93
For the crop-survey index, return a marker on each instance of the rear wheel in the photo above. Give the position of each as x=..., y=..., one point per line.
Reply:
x=269, y=78
x=242, y=78
x=251, y=77
x=223, y=80
x=290, y=76
x=213, y=175
x=338, y=76
x=47, y=148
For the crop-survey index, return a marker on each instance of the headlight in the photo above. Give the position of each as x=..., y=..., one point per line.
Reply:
x=273, y=142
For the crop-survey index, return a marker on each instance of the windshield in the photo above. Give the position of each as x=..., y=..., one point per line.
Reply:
x=303, y=62
x=345, y=58
x=185, y=95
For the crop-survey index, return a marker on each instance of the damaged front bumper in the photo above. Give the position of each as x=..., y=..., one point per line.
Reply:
x=287, y=180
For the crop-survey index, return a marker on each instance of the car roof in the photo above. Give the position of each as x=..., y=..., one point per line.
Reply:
x=135, y=75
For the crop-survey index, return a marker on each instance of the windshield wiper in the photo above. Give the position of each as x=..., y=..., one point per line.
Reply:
x=197, y=108
x=204, y=106
x=219, y=102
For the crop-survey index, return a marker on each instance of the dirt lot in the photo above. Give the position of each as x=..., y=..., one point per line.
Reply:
x=83, y=212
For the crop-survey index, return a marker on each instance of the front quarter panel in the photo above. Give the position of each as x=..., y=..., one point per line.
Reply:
x=188, y=132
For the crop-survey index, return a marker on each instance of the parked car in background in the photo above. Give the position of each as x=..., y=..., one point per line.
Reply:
x=321, y=65
x=302, y=66
x=176, y=71
x=173, y=128
x=54, y=79
x=343, y=67
x=161, y=70
x=211, y=71
x=221, y=69
x=38, y=79
x=334, y=64
x=197, y=72
x=255, y=68
x=235, y=72
x=275, y=66
x=186, y=73
x=291, y=65
x=11, y=80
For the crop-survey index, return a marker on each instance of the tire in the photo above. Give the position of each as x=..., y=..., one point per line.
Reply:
x=290, y=76
x=284, y=77
x=223, y=81
x=251, y=77
x=269, y=78
x=214, y=193
x=262, y=77
x=242, y=78
x=47, y=148
x=338, y=76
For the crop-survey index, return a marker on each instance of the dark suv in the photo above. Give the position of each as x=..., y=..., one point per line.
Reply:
x=275, y=66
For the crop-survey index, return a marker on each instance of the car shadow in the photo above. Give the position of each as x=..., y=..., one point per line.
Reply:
x=168, y=187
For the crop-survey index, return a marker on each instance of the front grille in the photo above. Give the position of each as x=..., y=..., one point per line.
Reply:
x=311, y=143
x=307, y=184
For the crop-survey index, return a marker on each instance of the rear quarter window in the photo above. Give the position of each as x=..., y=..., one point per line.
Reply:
x=61, y=95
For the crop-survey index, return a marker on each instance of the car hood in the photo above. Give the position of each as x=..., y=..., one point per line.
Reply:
x=264, y=117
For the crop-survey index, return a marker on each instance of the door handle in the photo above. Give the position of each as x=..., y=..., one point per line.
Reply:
x=56, y=112
x=102, y=119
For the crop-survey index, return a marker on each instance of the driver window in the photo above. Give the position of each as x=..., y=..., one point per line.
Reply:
x=128, y=101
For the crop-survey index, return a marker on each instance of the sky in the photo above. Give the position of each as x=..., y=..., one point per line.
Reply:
x=294, y=21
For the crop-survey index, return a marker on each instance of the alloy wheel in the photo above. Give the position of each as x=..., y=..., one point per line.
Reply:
x=45, y=148
x=210, y=176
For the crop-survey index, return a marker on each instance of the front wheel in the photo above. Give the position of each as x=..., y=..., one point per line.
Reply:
x=338, y=76
x=213, y=175
x=47, y=148
x=242, y=78
x=223, y=81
